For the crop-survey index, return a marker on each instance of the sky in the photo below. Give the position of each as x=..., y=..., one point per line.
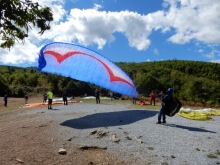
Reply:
x=128, y=30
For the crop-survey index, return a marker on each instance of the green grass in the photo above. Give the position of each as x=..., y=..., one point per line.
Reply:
x=128, y=138
x=217, y=152
x=172, y=156
x=212, y=156
x=150, y=148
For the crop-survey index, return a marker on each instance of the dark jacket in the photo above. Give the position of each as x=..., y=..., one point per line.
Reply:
x=97, y=93
x=167, y=100
x=64, y=96
x=6, y=97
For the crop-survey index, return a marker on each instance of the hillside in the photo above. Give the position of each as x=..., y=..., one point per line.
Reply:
x=194, y=82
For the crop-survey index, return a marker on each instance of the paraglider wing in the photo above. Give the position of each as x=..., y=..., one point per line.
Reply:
x=83, y=64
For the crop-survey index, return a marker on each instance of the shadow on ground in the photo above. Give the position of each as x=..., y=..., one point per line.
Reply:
x=53, y=109
x=190, y=128
x=108, y=119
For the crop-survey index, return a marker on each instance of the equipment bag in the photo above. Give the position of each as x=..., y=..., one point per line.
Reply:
x=174, y=107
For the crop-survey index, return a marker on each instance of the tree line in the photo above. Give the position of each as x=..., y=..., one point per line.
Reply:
x=194, y=82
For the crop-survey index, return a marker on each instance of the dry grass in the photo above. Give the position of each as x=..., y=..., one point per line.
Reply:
x=14, y=104
x=127, y=102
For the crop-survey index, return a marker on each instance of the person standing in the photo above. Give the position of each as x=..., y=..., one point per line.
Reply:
x=152, y=98
x=165, y=104
x=26, y=99
x=97, y=96
x=44, y=98
x=111, y=95
x=161, y=95
x=50, y=99
x=134, y=100
x=6, y=99
x=65, y=98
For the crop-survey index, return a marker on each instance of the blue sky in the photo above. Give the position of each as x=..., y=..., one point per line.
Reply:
x=128, y=30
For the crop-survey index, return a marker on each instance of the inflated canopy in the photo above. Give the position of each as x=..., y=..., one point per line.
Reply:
x=83, y=64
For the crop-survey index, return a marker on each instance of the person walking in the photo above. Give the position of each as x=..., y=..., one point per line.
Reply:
x=50, y=99
x=97, y=96
x=164, y=105
x=65, y=98
x=5, y=99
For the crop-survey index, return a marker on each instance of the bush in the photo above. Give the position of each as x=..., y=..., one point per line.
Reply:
x=20, y=92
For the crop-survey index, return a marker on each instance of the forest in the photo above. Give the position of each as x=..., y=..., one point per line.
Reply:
x=194, y=82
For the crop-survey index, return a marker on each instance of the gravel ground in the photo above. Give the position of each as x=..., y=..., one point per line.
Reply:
x=133, y=134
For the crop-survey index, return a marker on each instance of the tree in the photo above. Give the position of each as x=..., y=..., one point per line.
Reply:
x=148, y=82
x=16, y=18
x=3, y=86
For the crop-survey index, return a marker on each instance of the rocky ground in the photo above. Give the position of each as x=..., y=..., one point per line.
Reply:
x=85, y=133
x=29, y=139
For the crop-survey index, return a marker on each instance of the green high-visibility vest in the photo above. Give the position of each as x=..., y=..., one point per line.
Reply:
x=50, y=95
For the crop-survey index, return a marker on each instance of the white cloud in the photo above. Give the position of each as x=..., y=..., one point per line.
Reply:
x=91, y=26
x=215, y=61
x=212, y=54
x=20, y=54
x=190, y=19
x=28, y=52
x=74, y=1
x=156, y=51
x=193, y=19
x=97, y=7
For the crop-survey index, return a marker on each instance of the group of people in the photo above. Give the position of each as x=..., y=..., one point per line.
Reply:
x=49, y=96
x=165, y=101
x=6, y=99
x=153, y=96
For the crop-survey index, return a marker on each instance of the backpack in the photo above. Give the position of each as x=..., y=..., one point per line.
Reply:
x=173, y=107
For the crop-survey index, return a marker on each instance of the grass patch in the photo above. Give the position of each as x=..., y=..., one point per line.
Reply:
x=211, y=156
x=128, y=138
x=197, y=149
x=172, y=156
x=150, y=148
x=217, y=152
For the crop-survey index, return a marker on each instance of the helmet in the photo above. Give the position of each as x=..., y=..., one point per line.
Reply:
x=170, y=90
